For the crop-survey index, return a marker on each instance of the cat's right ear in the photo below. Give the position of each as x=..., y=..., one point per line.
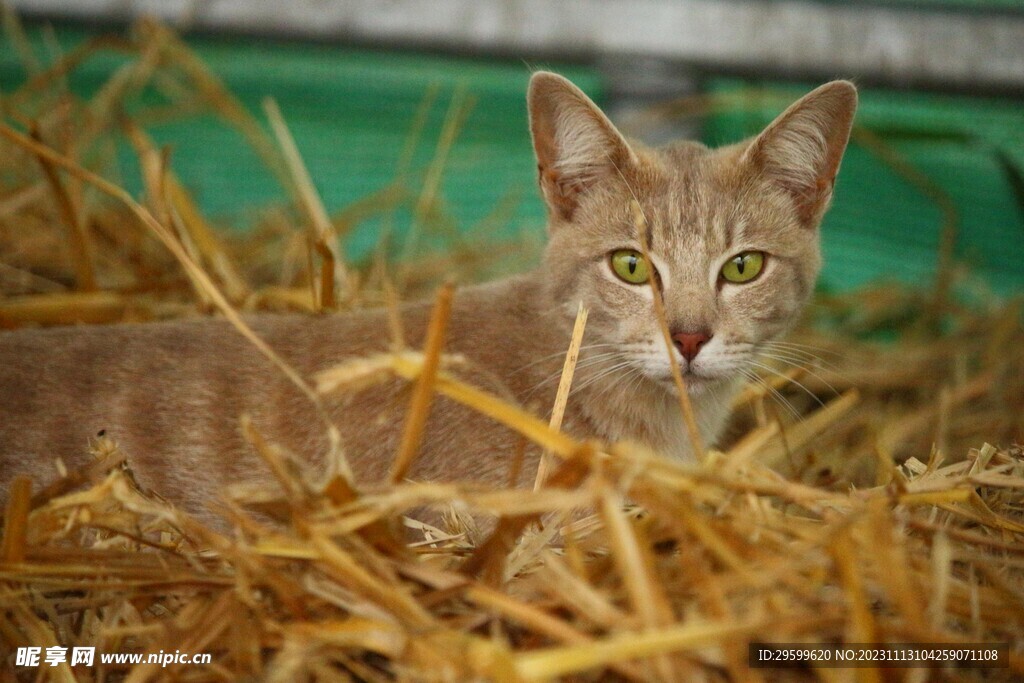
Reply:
x=575, y=143
x=801, y=150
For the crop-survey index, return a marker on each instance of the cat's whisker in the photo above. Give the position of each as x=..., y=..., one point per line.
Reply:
x=793, y=356
x=582, y=364
x=716, y=393
x=638, y=378
x=807, y=347
x=787, y=378
x=772, y=391
x=799, y=365
x=561, y=354
x=585, y=364
x=790, y=356
x=601, y=375
x=800, y=353
x=588, y=361
x=806, y=370
x=605, y=372
x=795, y=351
x=591, y=361
x=631, y=374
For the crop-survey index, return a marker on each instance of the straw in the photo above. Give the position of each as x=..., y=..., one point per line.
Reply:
x=883, y=501
x=423, y=394
x=564, y=386
x=322, y=230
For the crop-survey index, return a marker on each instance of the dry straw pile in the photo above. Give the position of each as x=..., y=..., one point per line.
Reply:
x=869, y=491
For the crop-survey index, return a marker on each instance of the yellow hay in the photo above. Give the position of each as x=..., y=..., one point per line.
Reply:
x=873, y=493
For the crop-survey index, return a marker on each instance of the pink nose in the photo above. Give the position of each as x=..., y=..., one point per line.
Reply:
x=690, y=343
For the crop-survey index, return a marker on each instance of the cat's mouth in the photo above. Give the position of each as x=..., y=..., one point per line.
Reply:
x=695, y=383
x=696, y=377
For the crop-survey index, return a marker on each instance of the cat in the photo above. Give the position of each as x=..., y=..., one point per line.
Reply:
x=732, y=236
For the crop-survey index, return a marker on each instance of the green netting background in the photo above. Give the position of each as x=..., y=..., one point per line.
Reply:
x=882, y=226
x=351, y=112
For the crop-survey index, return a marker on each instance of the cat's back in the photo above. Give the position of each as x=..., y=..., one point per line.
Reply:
x=171, y=393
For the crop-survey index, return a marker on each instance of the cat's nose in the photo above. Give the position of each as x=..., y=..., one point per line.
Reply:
x=690, y=343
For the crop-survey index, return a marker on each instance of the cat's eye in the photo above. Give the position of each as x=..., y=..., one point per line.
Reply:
x=631, y=266
x=743, y=267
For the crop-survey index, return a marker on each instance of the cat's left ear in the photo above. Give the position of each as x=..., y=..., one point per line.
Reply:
x=801, y=150
x=575, y=143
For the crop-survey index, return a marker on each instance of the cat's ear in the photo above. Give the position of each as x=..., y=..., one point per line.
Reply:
x=801, y=150
x=575, y=143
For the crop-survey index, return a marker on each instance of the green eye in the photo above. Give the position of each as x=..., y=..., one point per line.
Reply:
x=630, y=266
x=743, y=267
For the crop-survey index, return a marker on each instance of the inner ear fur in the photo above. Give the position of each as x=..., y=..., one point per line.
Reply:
x=575, y=143
x=801, y=150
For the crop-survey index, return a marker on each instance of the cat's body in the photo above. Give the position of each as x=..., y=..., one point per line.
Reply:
x=170, y=395
x=732, y=238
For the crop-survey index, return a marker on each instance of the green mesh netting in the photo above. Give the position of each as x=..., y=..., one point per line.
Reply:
x=881, y=224
x=351, y=113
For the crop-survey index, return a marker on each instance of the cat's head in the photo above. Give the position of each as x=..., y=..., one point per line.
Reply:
x=732, y=233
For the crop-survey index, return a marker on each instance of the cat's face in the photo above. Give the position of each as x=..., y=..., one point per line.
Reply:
x=731, y=234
